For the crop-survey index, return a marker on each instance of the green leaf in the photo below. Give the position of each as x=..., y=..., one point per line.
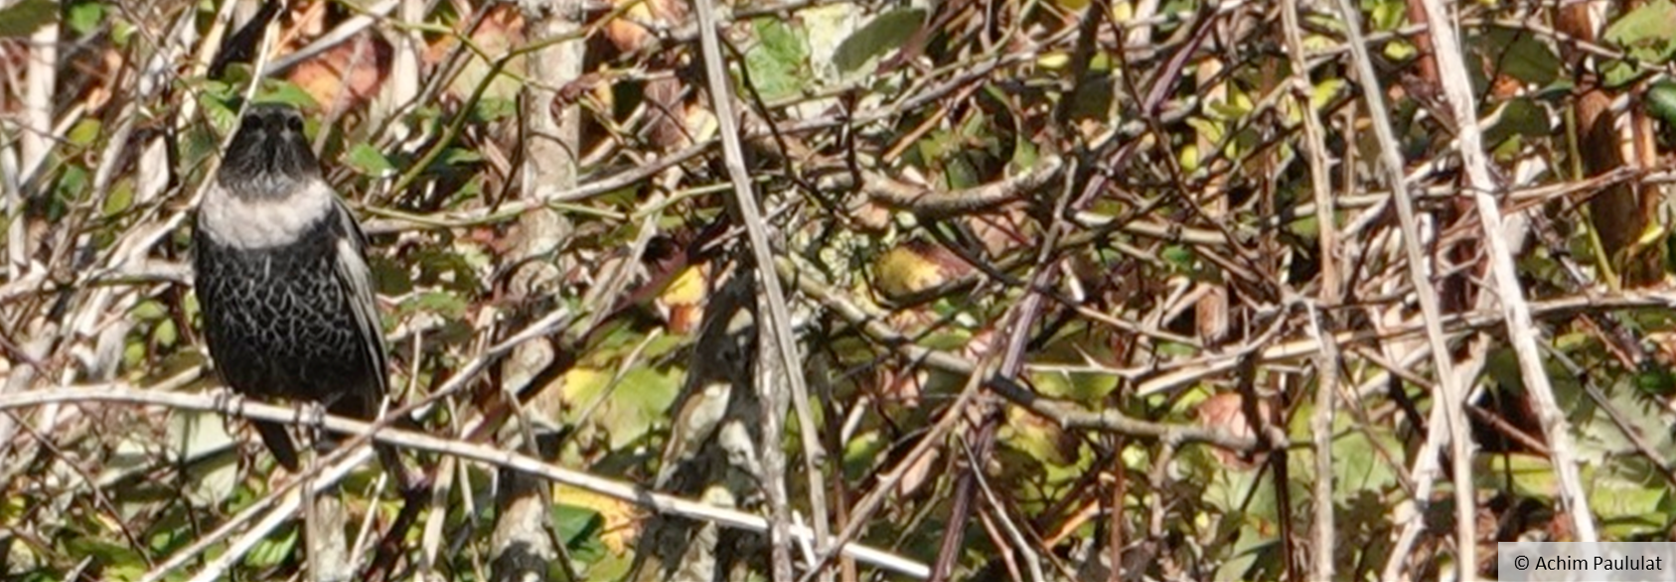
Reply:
x=778, y=63
x=960, y=174
x=165, y=335
x=1212, y=131
x=1599, y=433
x=272, y=551
x=1178, y=255
x=1248, y=554
x=1307, y=227
x=459, y=156
x=1235, y=106
x=1656, y=382
x=367, y=160
x=1618, y=74
x=1037, y=439
x=1661, y=101
x=1399, y=50
x=1094, y=97
x=631, y=407
x=951, y=338
x=886, y=32
x=576, y=524
x=71, y=185
x=1357, y=464
x=196, y=435
x=24, y=18
x=118, y=199
x=1521, y=117
x=84, y=132
x=1325, y=91
x=1644, y=33
x=1079, y=386
x=1628, y=507
x=447, y=305
x=84, y=17
x=1531, y=476
x=1385, y=14
x=491, y=109
x=861, y=453
x=133, y=355
x=277, y=91
x=1024, y=154
x=121, y=31
x=827, y=26
x=218, y=111
x=118, y=561
x=148, y=311
x=1519, y=54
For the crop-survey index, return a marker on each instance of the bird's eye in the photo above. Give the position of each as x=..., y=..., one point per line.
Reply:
x=294, y=123
x=250, y=123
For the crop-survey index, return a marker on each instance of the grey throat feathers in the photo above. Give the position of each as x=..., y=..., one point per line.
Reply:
x=249, y=223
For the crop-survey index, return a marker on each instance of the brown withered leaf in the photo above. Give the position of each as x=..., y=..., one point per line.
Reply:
x=916, y=267
x=346, y=76
x=1226, y=412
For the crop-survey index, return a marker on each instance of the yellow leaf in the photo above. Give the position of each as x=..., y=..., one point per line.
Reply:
x=619, y=516
x=901, y=272
x=686, y=289
x=1054, y=60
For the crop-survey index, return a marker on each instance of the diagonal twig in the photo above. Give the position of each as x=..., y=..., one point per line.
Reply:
x=1451, y=393
x=779, y=329
x=1327, y=362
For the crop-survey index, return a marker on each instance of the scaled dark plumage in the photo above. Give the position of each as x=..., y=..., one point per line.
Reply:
x=282, y=279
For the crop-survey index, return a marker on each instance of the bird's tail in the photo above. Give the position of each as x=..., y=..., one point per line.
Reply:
x=279, y=441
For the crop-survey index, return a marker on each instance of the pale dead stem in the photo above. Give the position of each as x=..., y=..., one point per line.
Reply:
x=33, y=143
x=1451, y=393
x=778, y=332
x=18, y=168
x=1320, y=327
x=1457, y=89
x=524, y=547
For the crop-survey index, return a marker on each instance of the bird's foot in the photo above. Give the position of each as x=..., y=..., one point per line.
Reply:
x=227, y=402
x=311, y=419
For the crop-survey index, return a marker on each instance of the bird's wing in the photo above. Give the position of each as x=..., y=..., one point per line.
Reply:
x=202, y=282
x=356, y=277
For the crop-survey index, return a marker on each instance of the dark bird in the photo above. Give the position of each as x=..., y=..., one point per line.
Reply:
x=283, y=281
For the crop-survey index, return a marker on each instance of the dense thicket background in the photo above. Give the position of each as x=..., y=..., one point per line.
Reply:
x=1081, y=290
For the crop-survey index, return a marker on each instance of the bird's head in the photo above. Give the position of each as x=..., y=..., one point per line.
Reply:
x=269, y=155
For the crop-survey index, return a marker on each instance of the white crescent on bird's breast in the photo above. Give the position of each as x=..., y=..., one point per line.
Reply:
x=264, y=222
